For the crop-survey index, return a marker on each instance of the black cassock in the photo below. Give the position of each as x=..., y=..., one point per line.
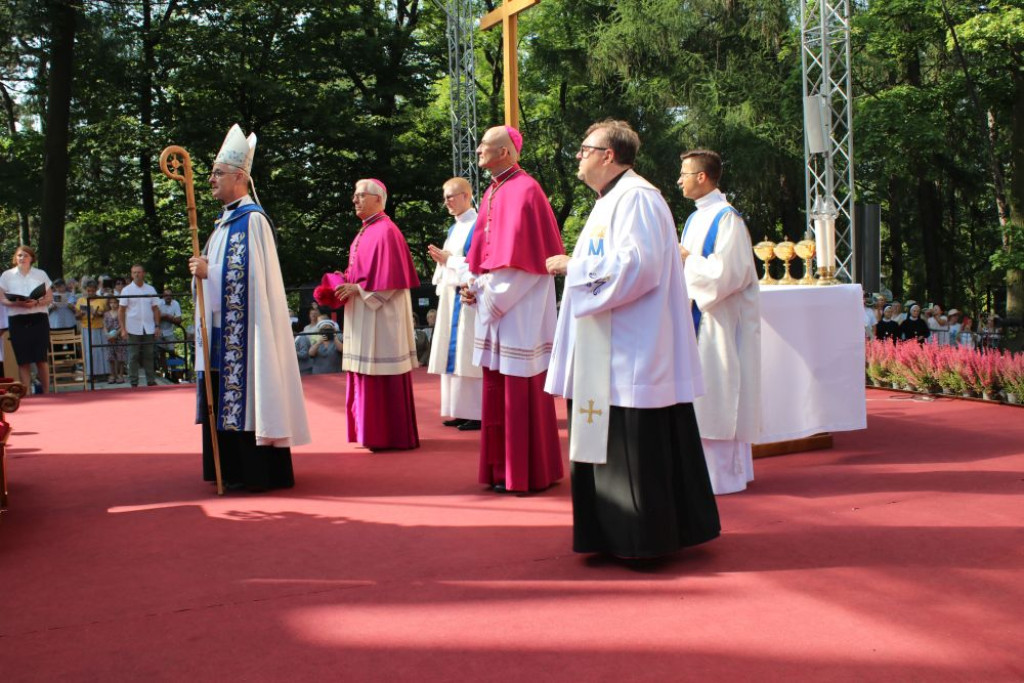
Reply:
x=653, y=496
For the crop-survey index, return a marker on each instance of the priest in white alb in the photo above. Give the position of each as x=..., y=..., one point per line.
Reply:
x=718, y=261
x=625, y=357
x=451, y=349
x=258, y=404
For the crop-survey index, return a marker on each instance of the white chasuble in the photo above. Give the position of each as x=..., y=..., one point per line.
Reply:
x=633, y=278
x=378, y=336
x=275, y=408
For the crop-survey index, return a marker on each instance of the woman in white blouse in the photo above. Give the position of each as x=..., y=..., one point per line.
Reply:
x=26, y=291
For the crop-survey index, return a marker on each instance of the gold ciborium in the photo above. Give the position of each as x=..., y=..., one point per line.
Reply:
x=765, y=251
x=805, y=250
x=784, y=251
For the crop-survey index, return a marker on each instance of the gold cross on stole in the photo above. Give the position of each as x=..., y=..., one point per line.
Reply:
x=590, y=412
x=506, y=15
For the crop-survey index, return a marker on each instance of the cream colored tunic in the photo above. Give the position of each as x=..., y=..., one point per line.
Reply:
x=378, y=336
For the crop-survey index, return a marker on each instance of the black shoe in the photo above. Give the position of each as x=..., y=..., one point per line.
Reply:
x=150, y=384
x=469, y=426
x=499, y=488
x=454, y=423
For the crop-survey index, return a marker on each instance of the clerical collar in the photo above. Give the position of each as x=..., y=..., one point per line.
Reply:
x=233, y=205
x=611, y=185
x=506, y=174
x=710, y=198
x=373, y=219
x=466, y=216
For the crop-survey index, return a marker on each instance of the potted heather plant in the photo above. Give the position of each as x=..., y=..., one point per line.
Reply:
x=922, y=362
x=950, y=373
x=878, y=354
x=986, y=368
x=1013, y=378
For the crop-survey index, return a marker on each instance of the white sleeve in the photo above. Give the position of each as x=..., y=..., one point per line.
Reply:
x=498, y=291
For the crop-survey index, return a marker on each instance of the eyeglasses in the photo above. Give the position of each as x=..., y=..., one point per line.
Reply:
x=587, y=150
x=686, y=173
x=362, y=195
x=220, y=174
x=449, y=197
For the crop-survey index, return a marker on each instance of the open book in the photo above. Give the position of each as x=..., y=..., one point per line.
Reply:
x=35, y=295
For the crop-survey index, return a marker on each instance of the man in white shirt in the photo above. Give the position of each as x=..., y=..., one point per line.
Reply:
x=138, y=314
x=170, y=317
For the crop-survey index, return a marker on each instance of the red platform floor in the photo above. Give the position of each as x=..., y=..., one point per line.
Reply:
x=896, y=555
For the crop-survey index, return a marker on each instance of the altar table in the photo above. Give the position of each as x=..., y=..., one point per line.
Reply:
x=812, y=361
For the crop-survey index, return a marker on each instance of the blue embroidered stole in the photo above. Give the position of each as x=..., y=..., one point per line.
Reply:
x=709, y=247
x=453, y=339
x=229, y=348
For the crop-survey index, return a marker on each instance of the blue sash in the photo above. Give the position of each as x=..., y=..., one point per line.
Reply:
x=709, y=246
x=453, y=339
x=229, y=352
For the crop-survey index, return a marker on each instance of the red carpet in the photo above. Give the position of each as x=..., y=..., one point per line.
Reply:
x=895, y=556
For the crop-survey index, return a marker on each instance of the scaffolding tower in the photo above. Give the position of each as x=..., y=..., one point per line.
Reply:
x=828, y=118
x=461, y=26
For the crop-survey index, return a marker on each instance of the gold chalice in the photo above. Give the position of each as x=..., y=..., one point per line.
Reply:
x=784, y=251
x=805, y=250
x=765, y=251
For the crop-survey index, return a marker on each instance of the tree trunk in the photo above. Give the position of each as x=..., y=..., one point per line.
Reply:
x=1015, y=277
x=894, y=221
x=929, y=222
x=56, y=162
x=158, y=262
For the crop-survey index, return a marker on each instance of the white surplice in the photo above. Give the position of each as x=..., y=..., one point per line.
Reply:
x=460, y=389
x=275, y=407
x=725, y=287
x=635, y=275
x=515, y=321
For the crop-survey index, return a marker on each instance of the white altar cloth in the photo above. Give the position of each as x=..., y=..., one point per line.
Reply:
x=812, y=361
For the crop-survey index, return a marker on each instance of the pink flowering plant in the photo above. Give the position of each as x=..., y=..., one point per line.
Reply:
x=986, y=367
x=1012, y=377
x=921, y=364
x=879, y=360
x=951, y=371
x=956, y=369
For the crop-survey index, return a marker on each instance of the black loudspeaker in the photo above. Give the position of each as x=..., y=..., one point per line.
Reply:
x=867, y=244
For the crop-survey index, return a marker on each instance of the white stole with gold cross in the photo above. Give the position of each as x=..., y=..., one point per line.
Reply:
x=592, y=355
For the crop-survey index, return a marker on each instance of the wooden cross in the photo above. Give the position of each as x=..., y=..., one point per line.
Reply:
x=590, y=412
x=505, y=14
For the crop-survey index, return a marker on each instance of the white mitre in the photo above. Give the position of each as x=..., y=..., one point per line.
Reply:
x=237, y=150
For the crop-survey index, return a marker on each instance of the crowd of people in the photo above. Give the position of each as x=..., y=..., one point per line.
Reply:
x=928, y=324
x=125, y=327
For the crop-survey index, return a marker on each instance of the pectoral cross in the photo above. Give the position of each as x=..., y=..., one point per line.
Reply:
x=590, y=412
x=506, y=15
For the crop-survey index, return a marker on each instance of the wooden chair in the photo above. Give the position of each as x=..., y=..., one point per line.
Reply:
x=67, y=359
x=11, y=392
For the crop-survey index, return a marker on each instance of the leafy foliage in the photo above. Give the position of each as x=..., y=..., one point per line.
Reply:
x=338, y=91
